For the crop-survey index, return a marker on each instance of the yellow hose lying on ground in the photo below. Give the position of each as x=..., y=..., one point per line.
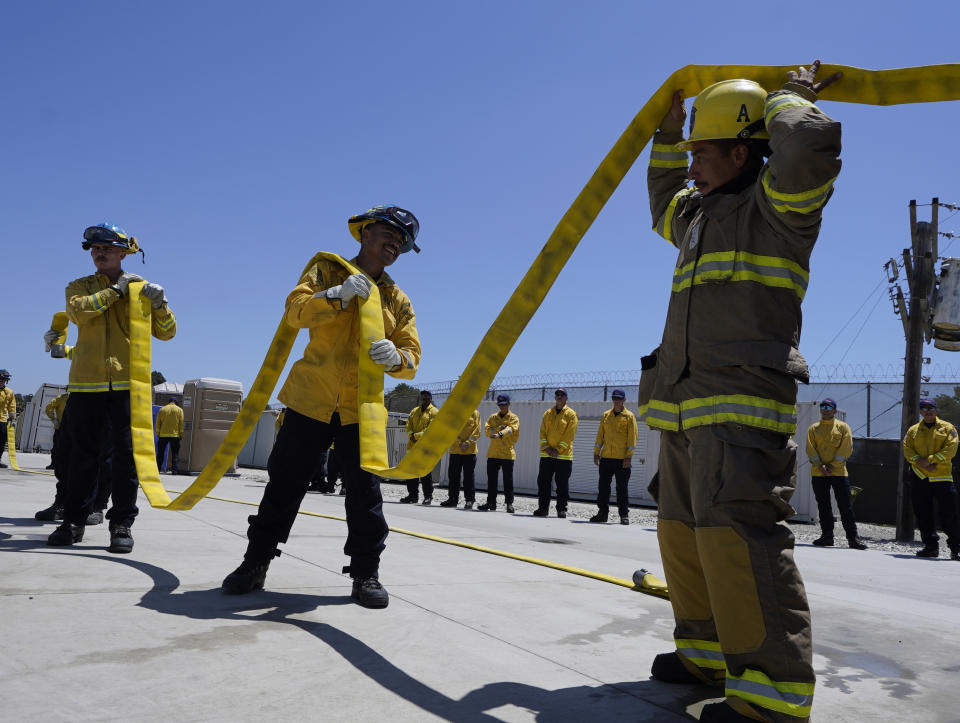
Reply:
x=12, y=452
x=872, y=87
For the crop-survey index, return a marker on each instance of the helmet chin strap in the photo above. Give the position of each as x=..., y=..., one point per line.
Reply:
x=755, y=127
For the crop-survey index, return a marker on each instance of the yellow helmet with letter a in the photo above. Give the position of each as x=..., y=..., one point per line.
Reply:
x=730, y=109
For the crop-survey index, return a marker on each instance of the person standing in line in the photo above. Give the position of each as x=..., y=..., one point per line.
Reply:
x=503, y=429
x=463, y=461
x=169, y=434
x=930, y=446
x=417, y=423
x=613, y=454
x=829, y=446
x=97, y=415
x=322, y=403
x=557, y=431
x=8, y=410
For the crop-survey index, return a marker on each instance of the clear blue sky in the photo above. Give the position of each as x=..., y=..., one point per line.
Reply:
x=234, y=139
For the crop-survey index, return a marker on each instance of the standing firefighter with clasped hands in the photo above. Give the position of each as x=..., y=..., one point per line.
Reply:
x=725, y=385
x=322, y=405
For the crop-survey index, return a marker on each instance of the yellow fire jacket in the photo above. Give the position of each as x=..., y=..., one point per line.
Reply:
x=557, y=430
x=170, y=421
x=8, y=404
x=101, y=356
x=729, y=353
x=616, y=435
x=418, y=421
x=935, y=445
x=469, y=434
x=54, y=409
x=325, y=381
x=829, y=441
x=507, y=425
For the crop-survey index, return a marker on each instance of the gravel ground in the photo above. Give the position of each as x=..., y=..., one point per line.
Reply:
x=878, y=537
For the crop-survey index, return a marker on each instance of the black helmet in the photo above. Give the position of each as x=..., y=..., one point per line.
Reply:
x=397, y=217
x=4, y=375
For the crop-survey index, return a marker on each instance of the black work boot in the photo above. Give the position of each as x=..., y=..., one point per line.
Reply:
x=668, y=668
x=722, y=713
x=369, y=593
x=599, y=517
x=955, y=553
x=450, y=502
x=121, y=539
x=409, y=500
x=65, y=534
x=95, y=517
x=823, y=541
x=855, y=543
x=249, y=576
x=54, y=513
x=929, y=551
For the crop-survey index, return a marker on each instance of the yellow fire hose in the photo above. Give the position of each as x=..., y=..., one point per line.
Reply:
x=643, y=581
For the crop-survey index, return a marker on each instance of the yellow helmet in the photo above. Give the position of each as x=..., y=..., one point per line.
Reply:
x=730, y=109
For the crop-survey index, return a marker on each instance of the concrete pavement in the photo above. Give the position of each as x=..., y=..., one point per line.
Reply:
x=468, y=636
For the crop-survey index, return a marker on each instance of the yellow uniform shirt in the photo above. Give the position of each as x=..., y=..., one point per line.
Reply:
x=469, y=434
x=503, y=431
x=418, y=421
x=170, y=421
x=935, y=445
x=617, y=435
x=8, y=404
x=557, y=430
x=829, y=441
x=54, y=409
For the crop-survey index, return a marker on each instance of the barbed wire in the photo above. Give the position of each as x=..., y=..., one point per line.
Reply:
x=819, y=374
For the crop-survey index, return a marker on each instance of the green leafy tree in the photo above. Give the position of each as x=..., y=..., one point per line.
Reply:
x=948, y=407
x=156, y=378
x=402, y=398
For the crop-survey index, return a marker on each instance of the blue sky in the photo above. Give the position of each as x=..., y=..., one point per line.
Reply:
x=234, y=140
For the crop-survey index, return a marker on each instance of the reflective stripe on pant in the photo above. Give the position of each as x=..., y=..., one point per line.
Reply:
x=494, y=464
x=739, y=604
x=923, y=493
x=101, y=447
x=610, y=468
x=293, y=459
x=559, y=471
x=462, y=465
x=841, y=490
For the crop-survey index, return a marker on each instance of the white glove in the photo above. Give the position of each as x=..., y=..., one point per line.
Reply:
x=384, y=353
x=354, y=285
x=49, y=338
x=124, y=281
x=154, y=292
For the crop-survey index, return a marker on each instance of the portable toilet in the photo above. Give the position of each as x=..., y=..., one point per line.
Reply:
x=946, y=314
x=209, y=408
x=34, y=429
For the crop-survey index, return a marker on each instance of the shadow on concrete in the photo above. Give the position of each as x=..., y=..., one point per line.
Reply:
x=25, y=522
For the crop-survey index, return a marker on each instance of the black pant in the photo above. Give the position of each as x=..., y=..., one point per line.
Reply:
x=841, y=490
x=293, y=460
x=464, y=464
x=3, y=437
x=413, y=487
x=610, y=468
x=98, y=426
x=924, y=493
x=559, y=470
x=174, y=444
x=493, y=465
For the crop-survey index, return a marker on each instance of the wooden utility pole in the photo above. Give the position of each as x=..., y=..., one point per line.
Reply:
x=918, y=263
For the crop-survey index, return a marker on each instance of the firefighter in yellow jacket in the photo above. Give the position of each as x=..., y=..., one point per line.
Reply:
x=97, y=415
x=417, y=422
x=930, y=446
x=557, y=430
x=724, y=384
x=169, y=434
x=463, y=463
x=613, y=454
x=322, y=405
x=829, y=446
x=8, y=409
x=503, y=430
x=54, y=411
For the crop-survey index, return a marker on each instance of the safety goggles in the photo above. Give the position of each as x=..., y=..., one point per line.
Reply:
x=926, y=407
x=830, y=406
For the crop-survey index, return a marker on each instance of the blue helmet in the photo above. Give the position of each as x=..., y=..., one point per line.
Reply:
x=389, y=213
x=109, y=233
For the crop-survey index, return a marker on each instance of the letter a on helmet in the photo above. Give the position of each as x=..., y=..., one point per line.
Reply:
x=727, y=110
